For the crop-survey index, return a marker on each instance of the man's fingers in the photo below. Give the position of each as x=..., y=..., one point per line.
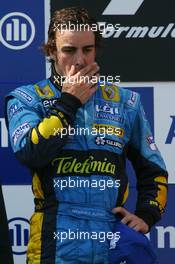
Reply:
x=88, y=69
x=93, y=90
x=133, y=224
x=138, y=228
x=138, y=225
x=131, y=220
x=87, y=75
x=94, y=81
x=127, y=219
x=93, y=72
x=121, y=211
x=72, y=71
x=80, y=84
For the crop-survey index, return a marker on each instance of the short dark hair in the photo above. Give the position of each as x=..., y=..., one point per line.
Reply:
x=65, y=16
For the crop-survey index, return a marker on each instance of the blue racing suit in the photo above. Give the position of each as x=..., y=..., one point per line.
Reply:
x=76, y=154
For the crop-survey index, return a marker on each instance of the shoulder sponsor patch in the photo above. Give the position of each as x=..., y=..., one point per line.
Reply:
x=14, y=110
x=45, y=91
x=20, y=131
x=49, y=102
x=106, y=108
x=25, y=95
x=151, y=143
x=110, y=92
x=100, y=141
x=108, y=130
x=108, y=111
x=109, y=117
x=133, y=99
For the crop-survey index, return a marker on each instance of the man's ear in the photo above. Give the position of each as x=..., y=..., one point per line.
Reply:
x=53, y=55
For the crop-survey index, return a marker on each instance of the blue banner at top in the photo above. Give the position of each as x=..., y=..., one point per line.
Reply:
x=22, y=33
x=21, y=36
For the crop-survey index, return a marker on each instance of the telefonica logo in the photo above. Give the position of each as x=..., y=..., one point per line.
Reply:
x=122, y=7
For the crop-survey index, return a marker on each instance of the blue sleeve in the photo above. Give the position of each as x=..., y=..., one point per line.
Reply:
x=36, y=140
x=150, y=170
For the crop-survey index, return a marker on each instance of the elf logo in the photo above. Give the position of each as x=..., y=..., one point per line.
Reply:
x=122, y=7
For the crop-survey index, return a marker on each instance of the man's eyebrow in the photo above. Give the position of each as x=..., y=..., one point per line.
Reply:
x=89, y=46
x=73, y=47
x=68, y=46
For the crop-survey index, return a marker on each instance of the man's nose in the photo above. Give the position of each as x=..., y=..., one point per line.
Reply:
x=79, y=59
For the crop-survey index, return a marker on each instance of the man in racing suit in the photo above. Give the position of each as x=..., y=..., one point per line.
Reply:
x=70, y=166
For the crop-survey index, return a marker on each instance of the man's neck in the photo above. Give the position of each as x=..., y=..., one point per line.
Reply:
x=56, y=78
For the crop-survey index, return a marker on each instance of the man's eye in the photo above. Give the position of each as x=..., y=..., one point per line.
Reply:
x=69, y=50
x=87, y=50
